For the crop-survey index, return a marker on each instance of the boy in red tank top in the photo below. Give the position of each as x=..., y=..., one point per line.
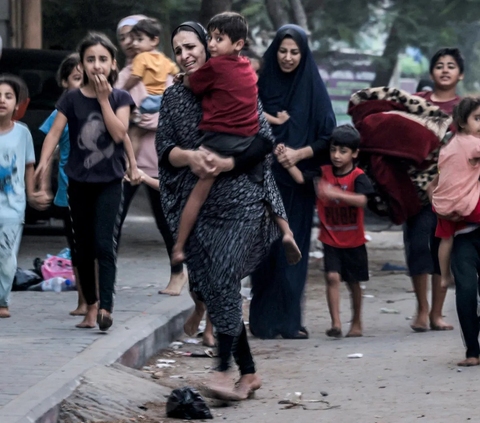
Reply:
x=342, y=194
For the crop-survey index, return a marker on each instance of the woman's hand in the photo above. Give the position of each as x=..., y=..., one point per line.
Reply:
x=102, y=88
x=289, y=157
x=205, y=163
x=217, y=163
x=283, y=117
x=134, y=175
x=178, y=78
x=40, y=200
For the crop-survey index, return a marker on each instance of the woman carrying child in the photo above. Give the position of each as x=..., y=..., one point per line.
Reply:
x=234, y=228
x=146, y=158
x=97, y=118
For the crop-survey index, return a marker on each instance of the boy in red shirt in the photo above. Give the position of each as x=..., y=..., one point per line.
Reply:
x=342, y=194
x=228, y=85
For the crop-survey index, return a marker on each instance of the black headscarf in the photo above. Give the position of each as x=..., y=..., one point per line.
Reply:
x=199, y=30
x=301, y=93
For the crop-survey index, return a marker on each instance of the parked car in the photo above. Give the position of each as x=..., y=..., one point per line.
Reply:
x=38, y=69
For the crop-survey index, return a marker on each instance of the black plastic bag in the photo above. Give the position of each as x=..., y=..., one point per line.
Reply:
x=24, y=279
x=187, y=403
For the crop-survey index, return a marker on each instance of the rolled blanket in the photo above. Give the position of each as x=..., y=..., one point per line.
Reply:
x=401, y=135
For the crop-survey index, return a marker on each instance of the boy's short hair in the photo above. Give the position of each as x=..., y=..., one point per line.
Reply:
x=345, y=136
x=17, y=84
x=230, y=23
x=463, y=110
x=448, y=51
x=150, y=27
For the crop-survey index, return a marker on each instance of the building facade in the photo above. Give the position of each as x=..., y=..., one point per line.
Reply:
x=21, y=23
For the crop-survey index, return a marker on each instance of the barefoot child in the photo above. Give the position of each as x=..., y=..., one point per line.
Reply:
x=151, y=67
x=230, y=117
x=342, y=194
x=17, y=159
x=69, y=77
x=97, y=118
x=458, y=191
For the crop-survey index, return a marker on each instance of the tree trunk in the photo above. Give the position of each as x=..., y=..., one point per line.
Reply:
x=299, y=14
x=210, y=8
x=276, y=12
x=385, y=66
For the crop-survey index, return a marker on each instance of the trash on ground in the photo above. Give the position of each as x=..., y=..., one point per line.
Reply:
x=363, y=287
x=389, y=311
x=459, y=370
x=196, y=354
x=409, y=318
x=176, y=345
x=157, y=375
x=162, y=360
x=324, y=394
x=294, y=396
x=356, y=355
x=368, y=296
x=295, y=400
x=316, y=254
x=389, y=267
x=164, y=366
x=191, y=341
x=368, y=237
x=177, y=377
x=25, y=279
x=187, y=403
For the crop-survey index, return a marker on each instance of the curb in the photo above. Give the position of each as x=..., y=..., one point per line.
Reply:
x=130, y=344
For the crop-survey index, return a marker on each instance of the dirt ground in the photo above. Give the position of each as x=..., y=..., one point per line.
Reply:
x=402, y=376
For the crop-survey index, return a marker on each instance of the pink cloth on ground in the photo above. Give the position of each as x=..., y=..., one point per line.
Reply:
x=147, y=156
x=458, y=187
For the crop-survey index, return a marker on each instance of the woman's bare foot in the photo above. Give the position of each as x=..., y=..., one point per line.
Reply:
x=292, y=251
x=221, y=386
x=469, y=362
x=355, y=331
x=175, y=285
x=193, y=322
x=90, y=319
x=4, y=313
x=247, y=385
x=81, y=310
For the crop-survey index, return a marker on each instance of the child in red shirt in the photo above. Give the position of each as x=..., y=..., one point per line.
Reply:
x=228, y=85
x=342, y=194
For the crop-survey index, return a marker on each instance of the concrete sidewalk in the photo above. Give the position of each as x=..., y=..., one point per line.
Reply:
x=43, y=356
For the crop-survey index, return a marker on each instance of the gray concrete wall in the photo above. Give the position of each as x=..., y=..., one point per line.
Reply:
x=4, y=22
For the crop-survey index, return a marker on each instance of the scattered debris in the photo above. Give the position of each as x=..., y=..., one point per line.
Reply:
x=368, y=296
x=191, y=341
x=176, y=345
x=389, y=311
x=356, y=355
x=157, y=375
x=368, y=237
x=363, y=287
x=409, y=318
x=177, y=377
x=324, y=394
x=187, y=403
x=293, y=400
x=164, y=366
x=390, y=301
x=162, y=360
x=459, y=370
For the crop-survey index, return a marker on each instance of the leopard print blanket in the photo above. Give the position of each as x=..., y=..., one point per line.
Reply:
x=424, y=113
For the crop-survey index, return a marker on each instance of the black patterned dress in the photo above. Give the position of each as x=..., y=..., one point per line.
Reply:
x=234, y=230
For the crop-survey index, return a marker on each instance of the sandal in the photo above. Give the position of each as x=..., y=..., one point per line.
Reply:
x=104, y=321
x=334, y=332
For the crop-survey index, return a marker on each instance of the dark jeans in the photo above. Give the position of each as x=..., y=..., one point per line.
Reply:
x=238, y=346
x=466, y=269
x=94, y=208
x=129, y=192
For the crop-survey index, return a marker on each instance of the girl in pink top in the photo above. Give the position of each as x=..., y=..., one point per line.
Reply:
x=457, y=194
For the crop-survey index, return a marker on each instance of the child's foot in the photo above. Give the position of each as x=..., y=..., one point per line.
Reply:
x=90, y=319
x=175, y=285
x=193, y=322
x=178, y=256
x=355, y=331
x=447, y=281
x=81, y=310
x=334, y=332
x=208, y=340
x=469, y=362
x=292, y=251
x=4, y=313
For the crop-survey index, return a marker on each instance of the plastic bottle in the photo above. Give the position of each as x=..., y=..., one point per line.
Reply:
x=57, y=284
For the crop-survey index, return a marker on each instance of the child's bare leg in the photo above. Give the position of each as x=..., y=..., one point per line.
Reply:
x=208, y=338
x=291, y=248
x=444, y=252
x=189, y=216
x=356, y=301
x=333, y=300
x=191, y=325
x=81, y=309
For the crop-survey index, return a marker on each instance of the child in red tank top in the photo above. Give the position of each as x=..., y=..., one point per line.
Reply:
x=342, y=192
